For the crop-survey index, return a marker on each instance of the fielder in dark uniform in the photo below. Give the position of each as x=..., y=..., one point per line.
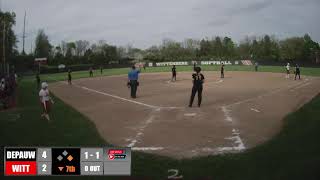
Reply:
x=174, y=73
x=101, y=70
x=198, y=80
x=133, y=83
x=222, y=70
x=91, y=72
x=297, y=72
x=69, y=77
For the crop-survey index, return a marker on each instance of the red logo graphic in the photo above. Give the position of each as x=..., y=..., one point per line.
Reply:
x=111, y=156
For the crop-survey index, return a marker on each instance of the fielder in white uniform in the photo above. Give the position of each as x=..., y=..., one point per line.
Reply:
x=288, y=71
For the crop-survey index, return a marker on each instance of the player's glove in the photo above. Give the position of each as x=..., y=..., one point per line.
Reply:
x=128, y=84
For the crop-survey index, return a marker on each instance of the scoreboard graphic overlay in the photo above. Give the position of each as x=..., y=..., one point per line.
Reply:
x=60, y=161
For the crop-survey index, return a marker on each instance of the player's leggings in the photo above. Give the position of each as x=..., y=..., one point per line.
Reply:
x=174, y=76
x=134, y=87
x=196, y=89
x=297, y=74
x=222, y=74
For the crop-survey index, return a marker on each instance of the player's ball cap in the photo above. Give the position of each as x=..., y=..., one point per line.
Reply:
x=44, y=85
x=198, y=69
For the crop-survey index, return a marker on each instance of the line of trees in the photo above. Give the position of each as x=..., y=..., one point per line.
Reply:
x=78, y=52
x=223, y=48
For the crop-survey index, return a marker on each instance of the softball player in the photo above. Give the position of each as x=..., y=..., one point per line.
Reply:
x=91, y=72
x=256, y=66
x=198, y=80
x=174, y=73
x=297, y=72
x=45, y=100
x=222, y=71
x=288, y=71
x=69, y=77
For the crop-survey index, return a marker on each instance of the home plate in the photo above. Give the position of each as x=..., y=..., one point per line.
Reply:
x=190, y=114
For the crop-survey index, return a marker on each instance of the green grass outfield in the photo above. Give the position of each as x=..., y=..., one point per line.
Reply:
x=106, y=72
x=293, y=154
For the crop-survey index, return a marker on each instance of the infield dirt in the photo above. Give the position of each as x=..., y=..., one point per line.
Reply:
x=238, y=112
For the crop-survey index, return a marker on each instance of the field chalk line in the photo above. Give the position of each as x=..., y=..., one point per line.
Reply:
x=190, y=114
x=255, y=110
x=141, y=129
x=239, y=145
x=226, y=113
x=267, y=94
x=118, y=97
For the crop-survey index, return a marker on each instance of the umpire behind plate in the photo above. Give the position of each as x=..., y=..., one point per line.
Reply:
x=133, y=83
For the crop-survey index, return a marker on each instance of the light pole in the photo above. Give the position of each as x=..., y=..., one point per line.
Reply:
x=4, y=48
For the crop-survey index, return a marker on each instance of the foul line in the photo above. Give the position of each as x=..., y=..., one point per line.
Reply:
x=266, y=94
x=129, y=100
x=118, y=97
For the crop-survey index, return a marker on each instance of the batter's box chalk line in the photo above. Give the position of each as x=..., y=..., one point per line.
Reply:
x=236, y=140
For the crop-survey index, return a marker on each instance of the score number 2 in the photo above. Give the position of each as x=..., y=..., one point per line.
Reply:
x=175, y=174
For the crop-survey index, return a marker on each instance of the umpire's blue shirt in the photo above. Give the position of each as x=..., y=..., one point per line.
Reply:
x=133, y=75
